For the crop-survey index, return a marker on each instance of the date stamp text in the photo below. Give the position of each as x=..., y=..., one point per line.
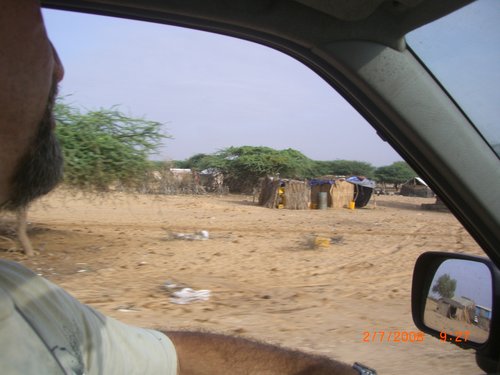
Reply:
x=393, y=336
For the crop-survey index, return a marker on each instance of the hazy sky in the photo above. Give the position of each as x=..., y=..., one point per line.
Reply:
x=210, y=91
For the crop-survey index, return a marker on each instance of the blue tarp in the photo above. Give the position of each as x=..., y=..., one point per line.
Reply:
x=365, y=182
x=317, y=181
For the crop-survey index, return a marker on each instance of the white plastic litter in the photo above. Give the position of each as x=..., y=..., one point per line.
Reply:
x=202, y=235
x=188, y=295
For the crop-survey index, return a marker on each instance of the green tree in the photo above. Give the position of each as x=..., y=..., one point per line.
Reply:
x=105, y=146
x=445, y=286
x=200, y=162
x=344, y=168
x=243, y=166
x=396, y=173
x=296, y=165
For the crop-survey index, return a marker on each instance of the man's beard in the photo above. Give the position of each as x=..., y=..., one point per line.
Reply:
x=41, y=167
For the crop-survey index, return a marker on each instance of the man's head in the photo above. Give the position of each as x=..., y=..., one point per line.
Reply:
x=30, y=160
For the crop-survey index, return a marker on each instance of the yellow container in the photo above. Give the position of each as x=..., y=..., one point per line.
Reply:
x=352, y=205
x=321, y=242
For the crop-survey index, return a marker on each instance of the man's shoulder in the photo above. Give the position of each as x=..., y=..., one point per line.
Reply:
x=11, y=268
x=82, y=336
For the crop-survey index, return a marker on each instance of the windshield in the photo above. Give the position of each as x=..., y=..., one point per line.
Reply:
x=462, y=51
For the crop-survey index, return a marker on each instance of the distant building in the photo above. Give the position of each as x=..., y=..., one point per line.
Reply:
x=416, y=187
x=483, y=317
x=458, y=308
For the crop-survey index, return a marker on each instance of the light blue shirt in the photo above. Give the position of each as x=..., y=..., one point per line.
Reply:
x=44, y=330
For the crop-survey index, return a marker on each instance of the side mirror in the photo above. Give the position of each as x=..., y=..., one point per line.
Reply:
x=456, y=299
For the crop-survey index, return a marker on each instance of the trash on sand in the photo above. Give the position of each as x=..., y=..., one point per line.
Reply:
x=314, y=242
x=321, y=242
x=188, y=295
x=201, y=235
x=127, y=308
x=170, y=285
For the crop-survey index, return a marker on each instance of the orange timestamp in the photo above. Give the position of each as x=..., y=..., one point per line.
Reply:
x=457, y=336
x=393, y=336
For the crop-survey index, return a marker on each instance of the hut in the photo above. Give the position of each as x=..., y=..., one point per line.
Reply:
x=416, y=187
x=280, y=193
x=320, y=185
x=458, y=308
x=339, y=192
x=342, y=193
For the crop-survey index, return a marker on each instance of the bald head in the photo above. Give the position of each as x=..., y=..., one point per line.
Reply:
x=29, y=72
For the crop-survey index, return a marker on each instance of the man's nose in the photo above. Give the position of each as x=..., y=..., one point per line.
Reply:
x=58, y=66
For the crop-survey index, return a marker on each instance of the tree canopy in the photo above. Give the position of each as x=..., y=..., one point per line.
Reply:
x=445, y=286
x=345, y=168
x=243, y=166
x=396, y=173
x=104, y=147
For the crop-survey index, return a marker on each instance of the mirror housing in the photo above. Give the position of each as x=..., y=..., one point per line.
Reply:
x=456, y=298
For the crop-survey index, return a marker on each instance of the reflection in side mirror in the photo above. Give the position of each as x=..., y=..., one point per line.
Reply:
x=459, y=301
x=456, y=298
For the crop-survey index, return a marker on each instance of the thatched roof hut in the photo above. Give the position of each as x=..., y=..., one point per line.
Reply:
x=339, y=192
x=342, y=193
x=298, y=195
x=320, y=185
x=278, y=193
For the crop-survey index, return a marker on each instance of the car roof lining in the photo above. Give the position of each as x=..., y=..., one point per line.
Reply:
x=381, y=21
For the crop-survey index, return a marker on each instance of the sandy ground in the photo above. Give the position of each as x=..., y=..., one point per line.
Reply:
x=265, y=278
